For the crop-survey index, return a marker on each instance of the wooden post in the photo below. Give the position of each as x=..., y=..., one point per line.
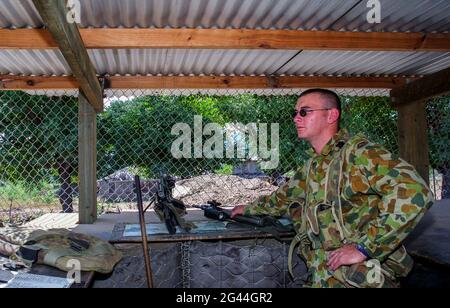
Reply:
x=87, y=160
x=412, y=136
x=410, y=101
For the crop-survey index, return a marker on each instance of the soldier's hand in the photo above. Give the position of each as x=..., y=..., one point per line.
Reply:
x=346, y=255
x=238, y=210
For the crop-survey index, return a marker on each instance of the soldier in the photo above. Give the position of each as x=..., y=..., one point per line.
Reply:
x=352, y=203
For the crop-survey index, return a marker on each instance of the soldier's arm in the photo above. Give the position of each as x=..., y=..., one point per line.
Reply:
x=405, y=198
x=277, y=203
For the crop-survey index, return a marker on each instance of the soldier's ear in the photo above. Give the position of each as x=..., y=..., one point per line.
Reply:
x=333, y=115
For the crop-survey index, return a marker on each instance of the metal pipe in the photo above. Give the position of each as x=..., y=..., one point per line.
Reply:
x=148, y=267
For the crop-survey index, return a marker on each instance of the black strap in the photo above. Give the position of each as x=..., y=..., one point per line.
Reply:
x=30, y=254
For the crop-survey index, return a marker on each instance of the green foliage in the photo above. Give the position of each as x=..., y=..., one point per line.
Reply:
x=226, y=169
x=372, y=116
x=14, y=192
x=21, y=192
x=249, y=108
x=138, y=133
x=36, y=132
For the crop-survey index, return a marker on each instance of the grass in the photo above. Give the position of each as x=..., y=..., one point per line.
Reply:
x=21, y=202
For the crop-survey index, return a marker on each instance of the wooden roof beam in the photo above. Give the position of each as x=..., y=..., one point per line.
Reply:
x=232, y=39
x=67, y=38
x=422, y=89
x=8, y=82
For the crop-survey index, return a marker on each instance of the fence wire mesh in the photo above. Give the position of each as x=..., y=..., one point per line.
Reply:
x=209, y=132
x=38, y=155
x=438, y=117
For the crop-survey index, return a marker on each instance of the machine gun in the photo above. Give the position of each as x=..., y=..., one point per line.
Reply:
x=268, y=223
x=169, y=209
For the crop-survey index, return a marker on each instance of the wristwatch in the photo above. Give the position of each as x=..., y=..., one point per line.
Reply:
x=362, y=250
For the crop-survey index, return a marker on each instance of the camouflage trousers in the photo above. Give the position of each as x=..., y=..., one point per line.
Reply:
x=356, y=276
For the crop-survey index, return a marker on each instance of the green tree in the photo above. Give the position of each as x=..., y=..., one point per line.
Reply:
x=38, y=140
x=248, y=108
x=372, y=116
x=137, y=133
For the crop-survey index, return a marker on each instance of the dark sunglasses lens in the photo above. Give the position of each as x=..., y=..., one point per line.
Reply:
x=302, y=113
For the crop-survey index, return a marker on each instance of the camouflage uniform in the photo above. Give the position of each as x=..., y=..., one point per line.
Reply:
x=381, y=199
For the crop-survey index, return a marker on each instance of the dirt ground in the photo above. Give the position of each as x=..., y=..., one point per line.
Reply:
x=19, y=214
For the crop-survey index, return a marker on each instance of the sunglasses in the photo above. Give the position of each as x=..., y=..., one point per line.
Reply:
x=304, y=112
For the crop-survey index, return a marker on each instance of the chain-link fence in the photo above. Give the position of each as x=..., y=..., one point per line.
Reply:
x=438, y=116
x=215, y=143
x=38, y=155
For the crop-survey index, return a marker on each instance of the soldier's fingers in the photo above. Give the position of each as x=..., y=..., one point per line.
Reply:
x=334, y=264
x=334, y=252
x=238, y=210
x=333, y=260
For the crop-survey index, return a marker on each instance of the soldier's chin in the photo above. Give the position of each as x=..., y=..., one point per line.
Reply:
x=301, y=134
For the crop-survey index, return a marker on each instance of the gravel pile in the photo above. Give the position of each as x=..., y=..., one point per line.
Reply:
x=230, y=190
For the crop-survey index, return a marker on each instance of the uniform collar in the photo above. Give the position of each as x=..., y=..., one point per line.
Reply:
x=333, y=144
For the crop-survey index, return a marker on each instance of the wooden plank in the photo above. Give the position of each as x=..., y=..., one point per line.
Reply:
x=26, y=39
x=68, y=39
x=204, y=82
x=412, y=136
x=87, y=161
x=234, y=39
x=424, y=88
x=11, y=82
x=54, y=221
x=250, y=82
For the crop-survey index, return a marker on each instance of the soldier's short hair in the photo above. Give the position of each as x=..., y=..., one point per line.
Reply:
x=329, y=96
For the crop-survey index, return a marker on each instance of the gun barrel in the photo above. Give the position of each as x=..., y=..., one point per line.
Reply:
x=217, y=214
x=253, y=220
x=221, y=214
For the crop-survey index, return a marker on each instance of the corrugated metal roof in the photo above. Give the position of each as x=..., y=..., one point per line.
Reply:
x=366, y=63
x=348, y=15
x=148, y=61
x=400, y=16
x=19, y=14
x=227, y=62
x=33, y=62
x=188, y=61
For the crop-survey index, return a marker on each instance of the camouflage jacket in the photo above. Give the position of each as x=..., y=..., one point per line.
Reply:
x=382, y=196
